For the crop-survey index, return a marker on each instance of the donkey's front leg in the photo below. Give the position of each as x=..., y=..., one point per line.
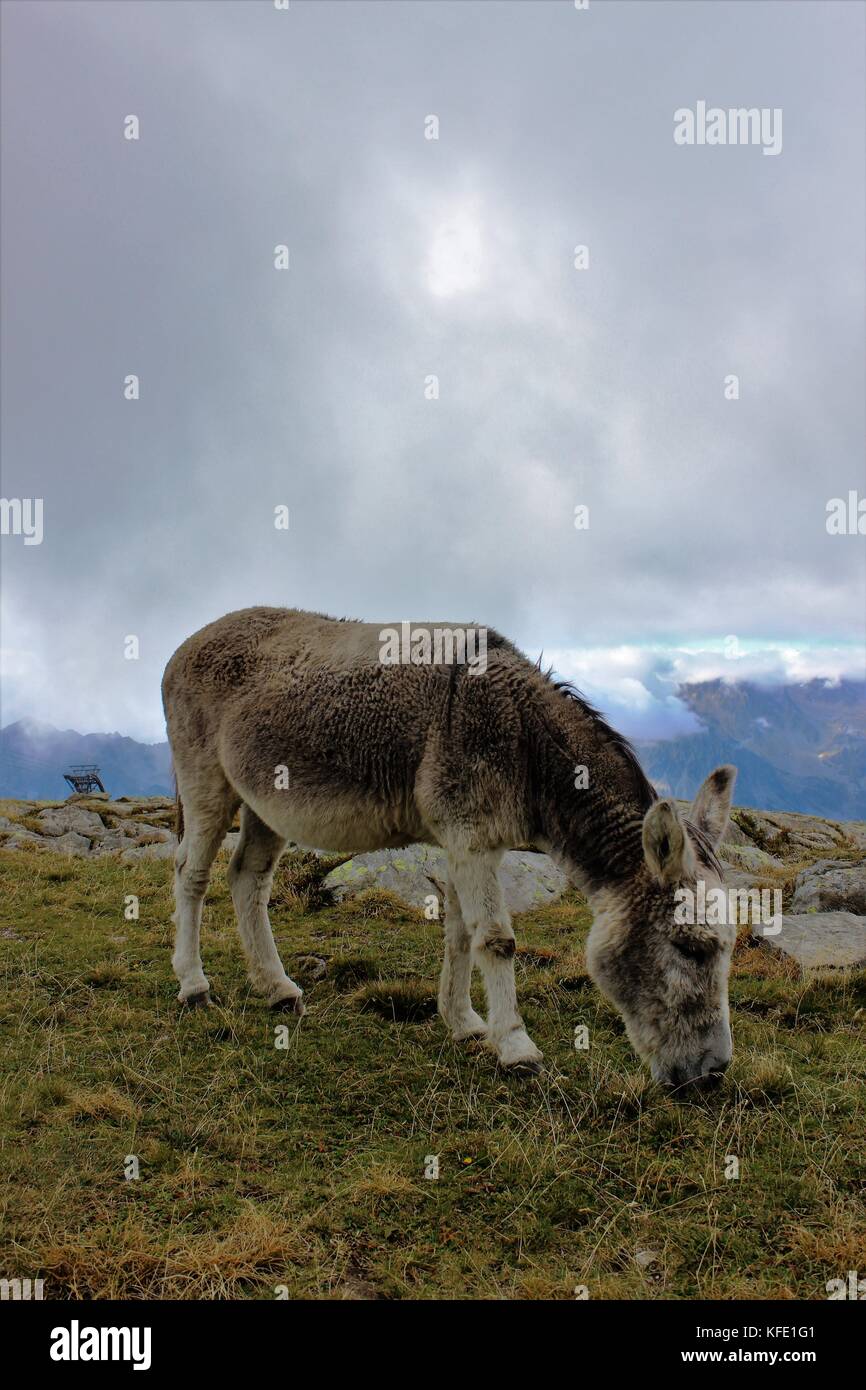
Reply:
x=455, y=1005
x=483, y=907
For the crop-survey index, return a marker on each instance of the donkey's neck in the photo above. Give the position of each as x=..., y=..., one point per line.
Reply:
x=590, y=795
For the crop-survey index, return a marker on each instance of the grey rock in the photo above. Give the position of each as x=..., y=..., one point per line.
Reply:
x=63, y=819
x=412, y=873
x=740, y=878
x=528, y=879
x=819, y=939
x=790, y=834
x=645, y=1258
x=108, y=843
x=163, y=850
x=70, y=843
x=120, y=809
x=134, y=828
x=314, y=967
x=855, y=830
x=829, y=885
x=734, y=835
x=20, y=836
x=749, y=857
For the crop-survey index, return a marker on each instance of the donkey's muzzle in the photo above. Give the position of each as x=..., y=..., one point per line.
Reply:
x=704, y=1075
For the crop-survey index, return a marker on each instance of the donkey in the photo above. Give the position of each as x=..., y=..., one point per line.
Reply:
x=302, y=722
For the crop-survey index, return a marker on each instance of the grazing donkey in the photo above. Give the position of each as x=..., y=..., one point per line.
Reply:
x=324, y=737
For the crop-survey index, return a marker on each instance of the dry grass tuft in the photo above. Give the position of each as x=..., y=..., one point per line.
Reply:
x=402, y=1001
x=379, y=905
x=299, y=881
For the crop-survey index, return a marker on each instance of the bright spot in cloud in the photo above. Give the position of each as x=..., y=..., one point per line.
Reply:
x=455, y=259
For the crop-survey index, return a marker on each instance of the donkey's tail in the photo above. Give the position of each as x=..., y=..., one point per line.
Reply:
x=178, y=813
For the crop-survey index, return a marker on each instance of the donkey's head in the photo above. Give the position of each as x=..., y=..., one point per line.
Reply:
x=652, y=954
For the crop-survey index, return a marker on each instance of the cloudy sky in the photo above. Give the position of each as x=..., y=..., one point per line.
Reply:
x=412, y=258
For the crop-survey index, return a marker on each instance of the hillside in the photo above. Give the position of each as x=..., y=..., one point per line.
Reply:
x=363, y=1155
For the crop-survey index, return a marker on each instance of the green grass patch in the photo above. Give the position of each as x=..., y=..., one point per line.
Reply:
x=274, y=1152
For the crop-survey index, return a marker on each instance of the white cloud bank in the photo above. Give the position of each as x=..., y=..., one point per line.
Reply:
x=636, y=686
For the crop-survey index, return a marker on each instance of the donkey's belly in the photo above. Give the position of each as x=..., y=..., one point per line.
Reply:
x=346, y=824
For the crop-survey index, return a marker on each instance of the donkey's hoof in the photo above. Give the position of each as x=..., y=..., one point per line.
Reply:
x=197, y=1001
x=529, y=1067
x=291, y=1004
x=518, y=1053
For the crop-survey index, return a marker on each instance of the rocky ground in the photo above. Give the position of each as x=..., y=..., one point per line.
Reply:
x=818, y=865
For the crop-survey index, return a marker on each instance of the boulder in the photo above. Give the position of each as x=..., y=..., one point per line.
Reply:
x=817, y=940
x=164, y=850
x=412, y=873
x=20, y=836
x=123, y=810
x=70, y=843
x=109, y=842
x=749, y=858
x=528, y=879
x=790, y=834
x=740, y=878
x=62, y=819
x=734, y=835
x=856, y=832
x=134, y=828
x=829, y=885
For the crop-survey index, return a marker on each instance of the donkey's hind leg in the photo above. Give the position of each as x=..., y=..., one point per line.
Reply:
x=455, y=1005
x=251, y=873
x=207, y=814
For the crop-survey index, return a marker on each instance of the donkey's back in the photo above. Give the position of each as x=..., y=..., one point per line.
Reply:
x=298, y=716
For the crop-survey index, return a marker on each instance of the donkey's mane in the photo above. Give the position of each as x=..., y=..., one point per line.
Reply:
x=644, y=788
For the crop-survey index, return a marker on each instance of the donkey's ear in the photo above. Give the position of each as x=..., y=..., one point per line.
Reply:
x=712, y=805
x=664, y=842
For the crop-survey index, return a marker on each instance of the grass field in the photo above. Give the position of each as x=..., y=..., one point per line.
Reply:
x=302, y=1167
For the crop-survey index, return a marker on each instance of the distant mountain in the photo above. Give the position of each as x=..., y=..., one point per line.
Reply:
x=797, y=747
x=34, y=757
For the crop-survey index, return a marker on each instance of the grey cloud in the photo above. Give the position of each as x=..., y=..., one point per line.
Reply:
x=306, y=388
